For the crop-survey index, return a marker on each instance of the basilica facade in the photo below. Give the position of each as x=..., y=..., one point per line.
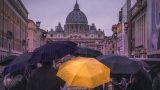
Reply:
x=76, y=29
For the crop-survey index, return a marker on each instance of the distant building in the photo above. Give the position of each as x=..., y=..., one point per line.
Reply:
x=121, y=31
x=76, y=29
x=36, y=36
x=153, y=7
x=13, y=27
x=120, y=34
x=114, y=39
x=120, y=46
x=139, y=29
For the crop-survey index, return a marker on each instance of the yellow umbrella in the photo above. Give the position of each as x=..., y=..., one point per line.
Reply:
x=84, y=72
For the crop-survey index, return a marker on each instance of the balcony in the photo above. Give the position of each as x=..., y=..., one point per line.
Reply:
x=138, y=7
x=134, y=10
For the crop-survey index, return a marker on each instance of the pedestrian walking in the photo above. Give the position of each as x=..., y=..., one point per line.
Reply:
x=123, y=84
x=139, y=82
x=15, y=81
x=44, y=78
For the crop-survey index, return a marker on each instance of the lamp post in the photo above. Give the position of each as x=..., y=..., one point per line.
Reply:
x=114, y=29
x=42, y=38
x=24, y=46
x=9, y=38
x=126, y=26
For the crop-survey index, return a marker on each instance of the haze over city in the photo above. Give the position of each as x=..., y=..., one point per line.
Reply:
x=79, y=44
x=104, y=13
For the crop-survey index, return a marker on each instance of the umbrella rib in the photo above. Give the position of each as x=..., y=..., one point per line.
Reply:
x=76, y=73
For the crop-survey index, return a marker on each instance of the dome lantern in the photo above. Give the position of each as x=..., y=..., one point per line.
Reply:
x=76, y=7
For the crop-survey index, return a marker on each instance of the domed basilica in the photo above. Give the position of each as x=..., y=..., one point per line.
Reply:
x=76, y=29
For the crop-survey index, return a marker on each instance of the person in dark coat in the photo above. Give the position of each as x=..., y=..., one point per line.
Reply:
x=15, y=81
x=156, y=82
x=44, y=78
x=140, y=82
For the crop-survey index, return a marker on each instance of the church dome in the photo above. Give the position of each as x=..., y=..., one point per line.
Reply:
x=76, y=16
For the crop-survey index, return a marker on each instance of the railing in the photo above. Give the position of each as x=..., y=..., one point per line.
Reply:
x=134, y=10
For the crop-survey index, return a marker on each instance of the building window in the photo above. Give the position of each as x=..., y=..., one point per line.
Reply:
x=76, y=27
x=51, y=35
x=99, y=35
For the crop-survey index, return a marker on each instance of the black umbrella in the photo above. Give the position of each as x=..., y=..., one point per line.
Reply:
x=52, y=51
x=86, y=52
x=142, y=63
x=120, y=64
x=7, y=60
x=18, y=63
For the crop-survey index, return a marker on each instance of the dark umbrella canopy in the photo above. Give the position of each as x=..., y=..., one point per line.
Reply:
x=142, y=63
x=52, y=51
x=120, y=64
x=69, y=43
x=44, y=78
x=86, y=52
x=18, y=63
x=7, y=60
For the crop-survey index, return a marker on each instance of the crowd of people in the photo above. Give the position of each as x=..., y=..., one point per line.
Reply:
x=43, y=77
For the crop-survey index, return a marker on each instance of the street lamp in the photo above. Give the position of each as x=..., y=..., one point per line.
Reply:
x=24, y=45
x=9, y=37
x=38, y=23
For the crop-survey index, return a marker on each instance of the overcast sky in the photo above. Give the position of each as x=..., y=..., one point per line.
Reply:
x=104, y=13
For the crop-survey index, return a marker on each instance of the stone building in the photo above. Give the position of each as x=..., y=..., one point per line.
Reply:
x=13, y=27
x=114, y=39
x=76, y=29
x=120, y=34
x=120, y=43
x=153, y=7
x=35, y=36
x=139, y=29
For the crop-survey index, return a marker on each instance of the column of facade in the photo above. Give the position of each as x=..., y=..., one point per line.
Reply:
x=146, y=31
x=136, y=35
x=143, y=31
x=137, y=32
x=141, y=34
